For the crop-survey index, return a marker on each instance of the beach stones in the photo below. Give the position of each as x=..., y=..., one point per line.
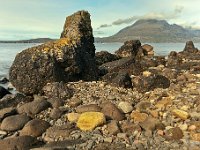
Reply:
x=180, y=114
x=70, y=58
x=89, y=120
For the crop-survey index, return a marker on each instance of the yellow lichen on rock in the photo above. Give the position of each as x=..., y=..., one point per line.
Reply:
x=89, y=120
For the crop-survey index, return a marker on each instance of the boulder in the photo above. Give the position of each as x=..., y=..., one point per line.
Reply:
x=3, y=92
x=70, y=58
x=104, y=57
x=189, y=47
x=173, y=60
x=129, y=49
x=148, y=49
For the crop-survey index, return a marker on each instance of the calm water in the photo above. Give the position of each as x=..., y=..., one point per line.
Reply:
x=8, y=51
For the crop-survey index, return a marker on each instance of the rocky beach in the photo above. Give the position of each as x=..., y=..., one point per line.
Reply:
x=67, y=97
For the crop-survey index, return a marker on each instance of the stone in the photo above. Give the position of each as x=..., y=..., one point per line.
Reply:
x=56, y=102
x=126, y=107
x=110, y=146
x=74, y=102
x=3, y=92
x=35, y=128
x=18, y=143
x=195, y=136
x=4, y=80
x=143, y=106
x=121, y=79
x=56, y=113
x=5, y=112
x=189, y=47
x=173, y=60
x=145, y=84
x=13, y=123
x=55, y=132
x=151, y=124
x=180, y=114
x=70, y=58
x=174, y=134
x=130, y=128
x=57, y=90
x=34, y=107
x=90, y=120
x=148, y=49
x=88, y=108
x=104, y=57
x=138, y=117
x=73, y=117
x=111, y=111
x=113, y=127
x=129, y=49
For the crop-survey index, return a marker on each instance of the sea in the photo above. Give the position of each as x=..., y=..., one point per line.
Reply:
x=8, y=51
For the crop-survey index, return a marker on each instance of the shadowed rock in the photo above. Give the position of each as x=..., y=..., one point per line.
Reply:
x=189, y=47
x=70, y=58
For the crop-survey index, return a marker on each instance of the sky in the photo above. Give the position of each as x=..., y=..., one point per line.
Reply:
x=27, y=19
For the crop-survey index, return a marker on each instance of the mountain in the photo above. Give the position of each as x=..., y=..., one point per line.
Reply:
x=38, y=40
x=152, y=30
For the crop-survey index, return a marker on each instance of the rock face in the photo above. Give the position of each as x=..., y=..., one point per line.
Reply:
x=189, y=47
x=104, y=57
x=70, y=58
x=129, y=49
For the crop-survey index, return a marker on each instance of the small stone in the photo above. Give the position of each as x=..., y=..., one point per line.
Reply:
x=3, y=132
x=122, y=135
x=195, y=136
x=195, y=115
x=113, y=127
x=146, y=73
x=126, y=107
x=183, y=127
x=13, y=123
x=108, y=139
x=5, y=112
x=180, y=114
x=56, y=113
x=112, y=112
x=154, y=113
x=160, y=132
x=89, y=120
x=150, y=124
x=138, y=117
x=35, y=128
x=185, y=108
x=174, y=134
x=74, y=102
x=88, y=108
x=164, y=103
x=192, y=128
x=73, y=117
x=143, y=106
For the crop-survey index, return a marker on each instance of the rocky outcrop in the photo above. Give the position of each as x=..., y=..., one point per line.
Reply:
x=189, y=47
x=129, y=49
x=148, y=49
x=70, y=58
x=104, y=57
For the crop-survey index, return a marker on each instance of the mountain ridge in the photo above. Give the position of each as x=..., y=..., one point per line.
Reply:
x=153, y=30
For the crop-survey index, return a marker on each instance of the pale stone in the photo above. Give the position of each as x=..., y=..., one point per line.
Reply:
x=164, y=103
x=73, y=117
x=126, y=107
x=180, y=114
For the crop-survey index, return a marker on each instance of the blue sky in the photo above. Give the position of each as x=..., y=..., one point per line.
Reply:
x=25, y=19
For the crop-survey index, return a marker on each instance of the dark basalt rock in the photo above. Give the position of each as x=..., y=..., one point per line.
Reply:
x=4, y=80
x=70, y=58
x=129, y=49
x=3, y=92
x=104, y=57
x=189, y=47
x=145, y=84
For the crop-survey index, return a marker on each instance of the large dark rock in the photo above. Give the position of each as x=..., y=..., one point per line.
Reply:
x=104, y=57
x=3, y=92
x=70, y=58
x=189, y=47
x=144, y=84
x=129, y=49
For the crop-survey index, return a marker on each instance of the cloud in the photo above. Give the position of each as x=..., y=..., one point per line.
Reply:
x=152, y=15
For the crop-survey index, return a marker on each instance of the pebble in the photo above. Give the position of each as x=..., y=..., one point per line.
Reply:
x=180, y=114
x=73, y=117
x=126, y=107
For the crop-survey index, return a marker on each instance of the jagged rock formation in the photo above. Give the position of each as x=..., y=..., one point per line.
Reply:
x=70, y=58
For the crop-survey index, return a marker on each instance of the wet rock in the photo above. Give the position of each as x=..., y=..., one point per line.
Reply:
x=13, y=123
x=180, y=114
x=104, y=57
x=120, y=79
x=174, y=134
x=57, y=90
x=89, y=120
x=5, y=112
x=3, y=92
x=35, y=128
x=148, y=49
x=73, y=117
x=129, y=49
x=144, y=84
x=18, y=143
x=126, y=107
x=189, y=47
x=34, y=107
x=55, y=132
x=88, y=108
x=111, y=111
x=70, y=58
x=4, y=80
x=113, y=127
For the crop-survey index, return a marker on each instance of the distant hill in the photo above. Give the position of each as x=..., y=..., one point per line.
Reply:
x=152, y=30
x=38, y=40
